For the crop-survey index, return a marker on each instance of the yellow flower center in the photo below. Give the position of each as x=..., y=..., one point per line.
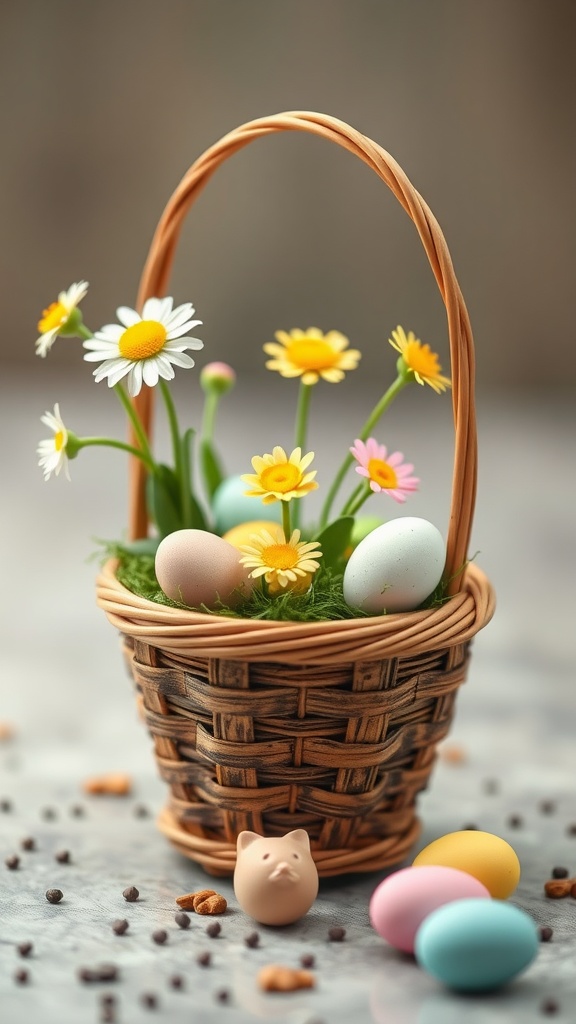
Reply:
x=280, y=556
x=312, y=354
x=59, y=440
x=421, y=359
x=282, y=476
x=382, y=473
x=142, y=340
x=54, y=316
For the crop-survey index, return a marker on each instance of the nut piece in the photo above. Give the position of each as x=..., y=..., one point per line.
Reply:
x=113, y=784
x=557, y=888
x=205, y=901
x=276, y=978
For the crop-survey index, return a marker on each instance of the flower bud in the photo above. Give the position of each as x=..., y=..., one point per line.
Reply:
x=217, y=378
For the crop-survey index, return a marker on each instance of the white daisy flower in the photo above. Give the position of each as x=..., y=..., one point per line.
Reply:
x=146, y=347
x=56, y=318
x=53, y=457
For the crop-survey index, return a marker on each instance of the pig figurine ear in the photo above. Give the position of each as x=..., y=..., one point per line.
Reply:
x=300, y=836
x=245, y=839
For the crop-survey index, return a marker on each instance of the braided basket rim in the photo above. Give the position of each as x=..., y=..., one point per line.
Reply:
x=185, y=632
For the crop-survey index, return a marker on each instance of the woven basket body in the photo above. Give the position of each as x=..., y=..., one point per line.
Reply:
x=332, y=726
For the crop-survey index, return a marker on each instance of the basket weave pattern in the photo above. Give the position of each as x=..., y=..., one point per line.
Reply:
x=243, y=748
x=328, y=726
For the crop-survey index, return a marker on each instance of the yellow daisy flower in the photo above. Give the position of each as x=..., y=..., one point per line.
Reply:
x=311, y=354
x=279, y=477
x=419, y=359
x=56, y=319
x=284, y=564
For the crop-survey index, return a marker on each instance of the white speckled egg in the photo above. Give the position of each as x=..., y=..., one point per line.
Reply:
x=396, y=567
x=196, y=567
x=231, y=506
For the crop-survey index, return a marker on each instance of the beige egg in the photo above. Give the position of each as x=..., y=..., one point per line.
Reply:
x=196, y=567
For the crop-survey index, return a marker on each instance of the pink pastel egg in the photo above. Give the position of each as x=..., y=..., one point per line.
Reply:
x=400, y=903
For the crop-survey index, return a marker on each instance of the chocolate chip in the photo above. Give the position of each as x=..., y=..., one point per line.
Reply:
x=336, y=934
x=49, y=814
x=307, y=960
x=160, y=936
x=21, y=977
x=177, y=981
x=140, y=811
x=105, y=972
x=62, y=856
x=545, y=932
x=252, y=940
x=547, y=806
x=204, y=959
x=120, y=926
x=28, y=843
x=13, y=862
x=214, y=929
x=54, y=895
x=25, y=948
x=182, y=919
x=131, y=894
x=560, y=873
x=222, y=995
x=5, y=805
x=149, y=1000
x=108, y=999
x=515, y=821
x=571, y=830
x=77, y=811
x=549, y=1007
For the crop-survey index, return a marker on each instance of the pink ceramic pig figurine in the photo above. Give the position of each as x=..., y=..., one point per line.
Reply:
x=276, y=880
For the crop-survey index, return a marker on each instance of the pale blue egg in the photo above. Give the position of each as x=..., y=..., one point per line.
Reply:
x=476, y=945
x=231, y=506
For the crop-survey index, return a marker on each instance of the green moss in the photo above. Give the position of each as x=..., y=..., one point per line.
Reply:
x=323, y=601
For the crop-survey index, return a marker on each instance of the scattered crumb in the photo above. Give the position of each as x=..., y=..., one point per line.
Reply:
x=113, y=784
x=7, y=732
x=276, y=978
x=452, y=753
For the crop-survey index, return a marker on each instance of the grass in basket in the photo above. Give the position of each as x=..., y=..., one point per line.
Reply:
x=324, y=601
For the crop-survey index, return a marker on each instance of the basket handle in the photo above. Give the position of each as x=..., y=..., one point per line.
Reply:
x=154, y=282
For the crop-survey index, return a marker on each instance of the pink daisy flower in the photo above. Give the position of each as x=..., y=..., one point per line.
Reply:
x=388, y=473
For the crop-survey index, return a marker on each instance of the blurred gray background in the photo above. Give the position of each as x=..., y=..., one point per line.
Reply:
x=105, y=103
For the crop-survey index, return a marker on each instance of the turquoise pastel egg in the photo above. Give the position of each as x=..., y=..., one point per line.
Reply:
x=231, y=506
x=476, y=945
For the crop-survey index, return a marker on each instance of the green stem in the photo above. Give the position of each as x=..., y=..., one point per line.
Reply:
x=401, y=381
x=352, y=500
x=83, y=331
x=302, y=409
x=182, y=471
x=286, y=520
x=361, y=498
x=135, y=421
x=209, y=416
x=85, y=442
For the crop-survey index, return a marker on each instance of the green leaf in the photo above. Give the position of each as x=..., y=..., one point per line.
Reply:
x=334, y=540
x=162, y=498
x=211, y=468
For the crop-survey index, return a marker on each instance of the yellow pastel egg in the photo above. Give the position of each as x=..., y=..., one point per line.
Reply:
x=241, y=534
x=487, y=857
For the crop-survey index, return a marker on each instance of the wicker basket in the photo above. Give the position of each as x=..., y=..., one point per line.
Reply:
x=329, y=726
